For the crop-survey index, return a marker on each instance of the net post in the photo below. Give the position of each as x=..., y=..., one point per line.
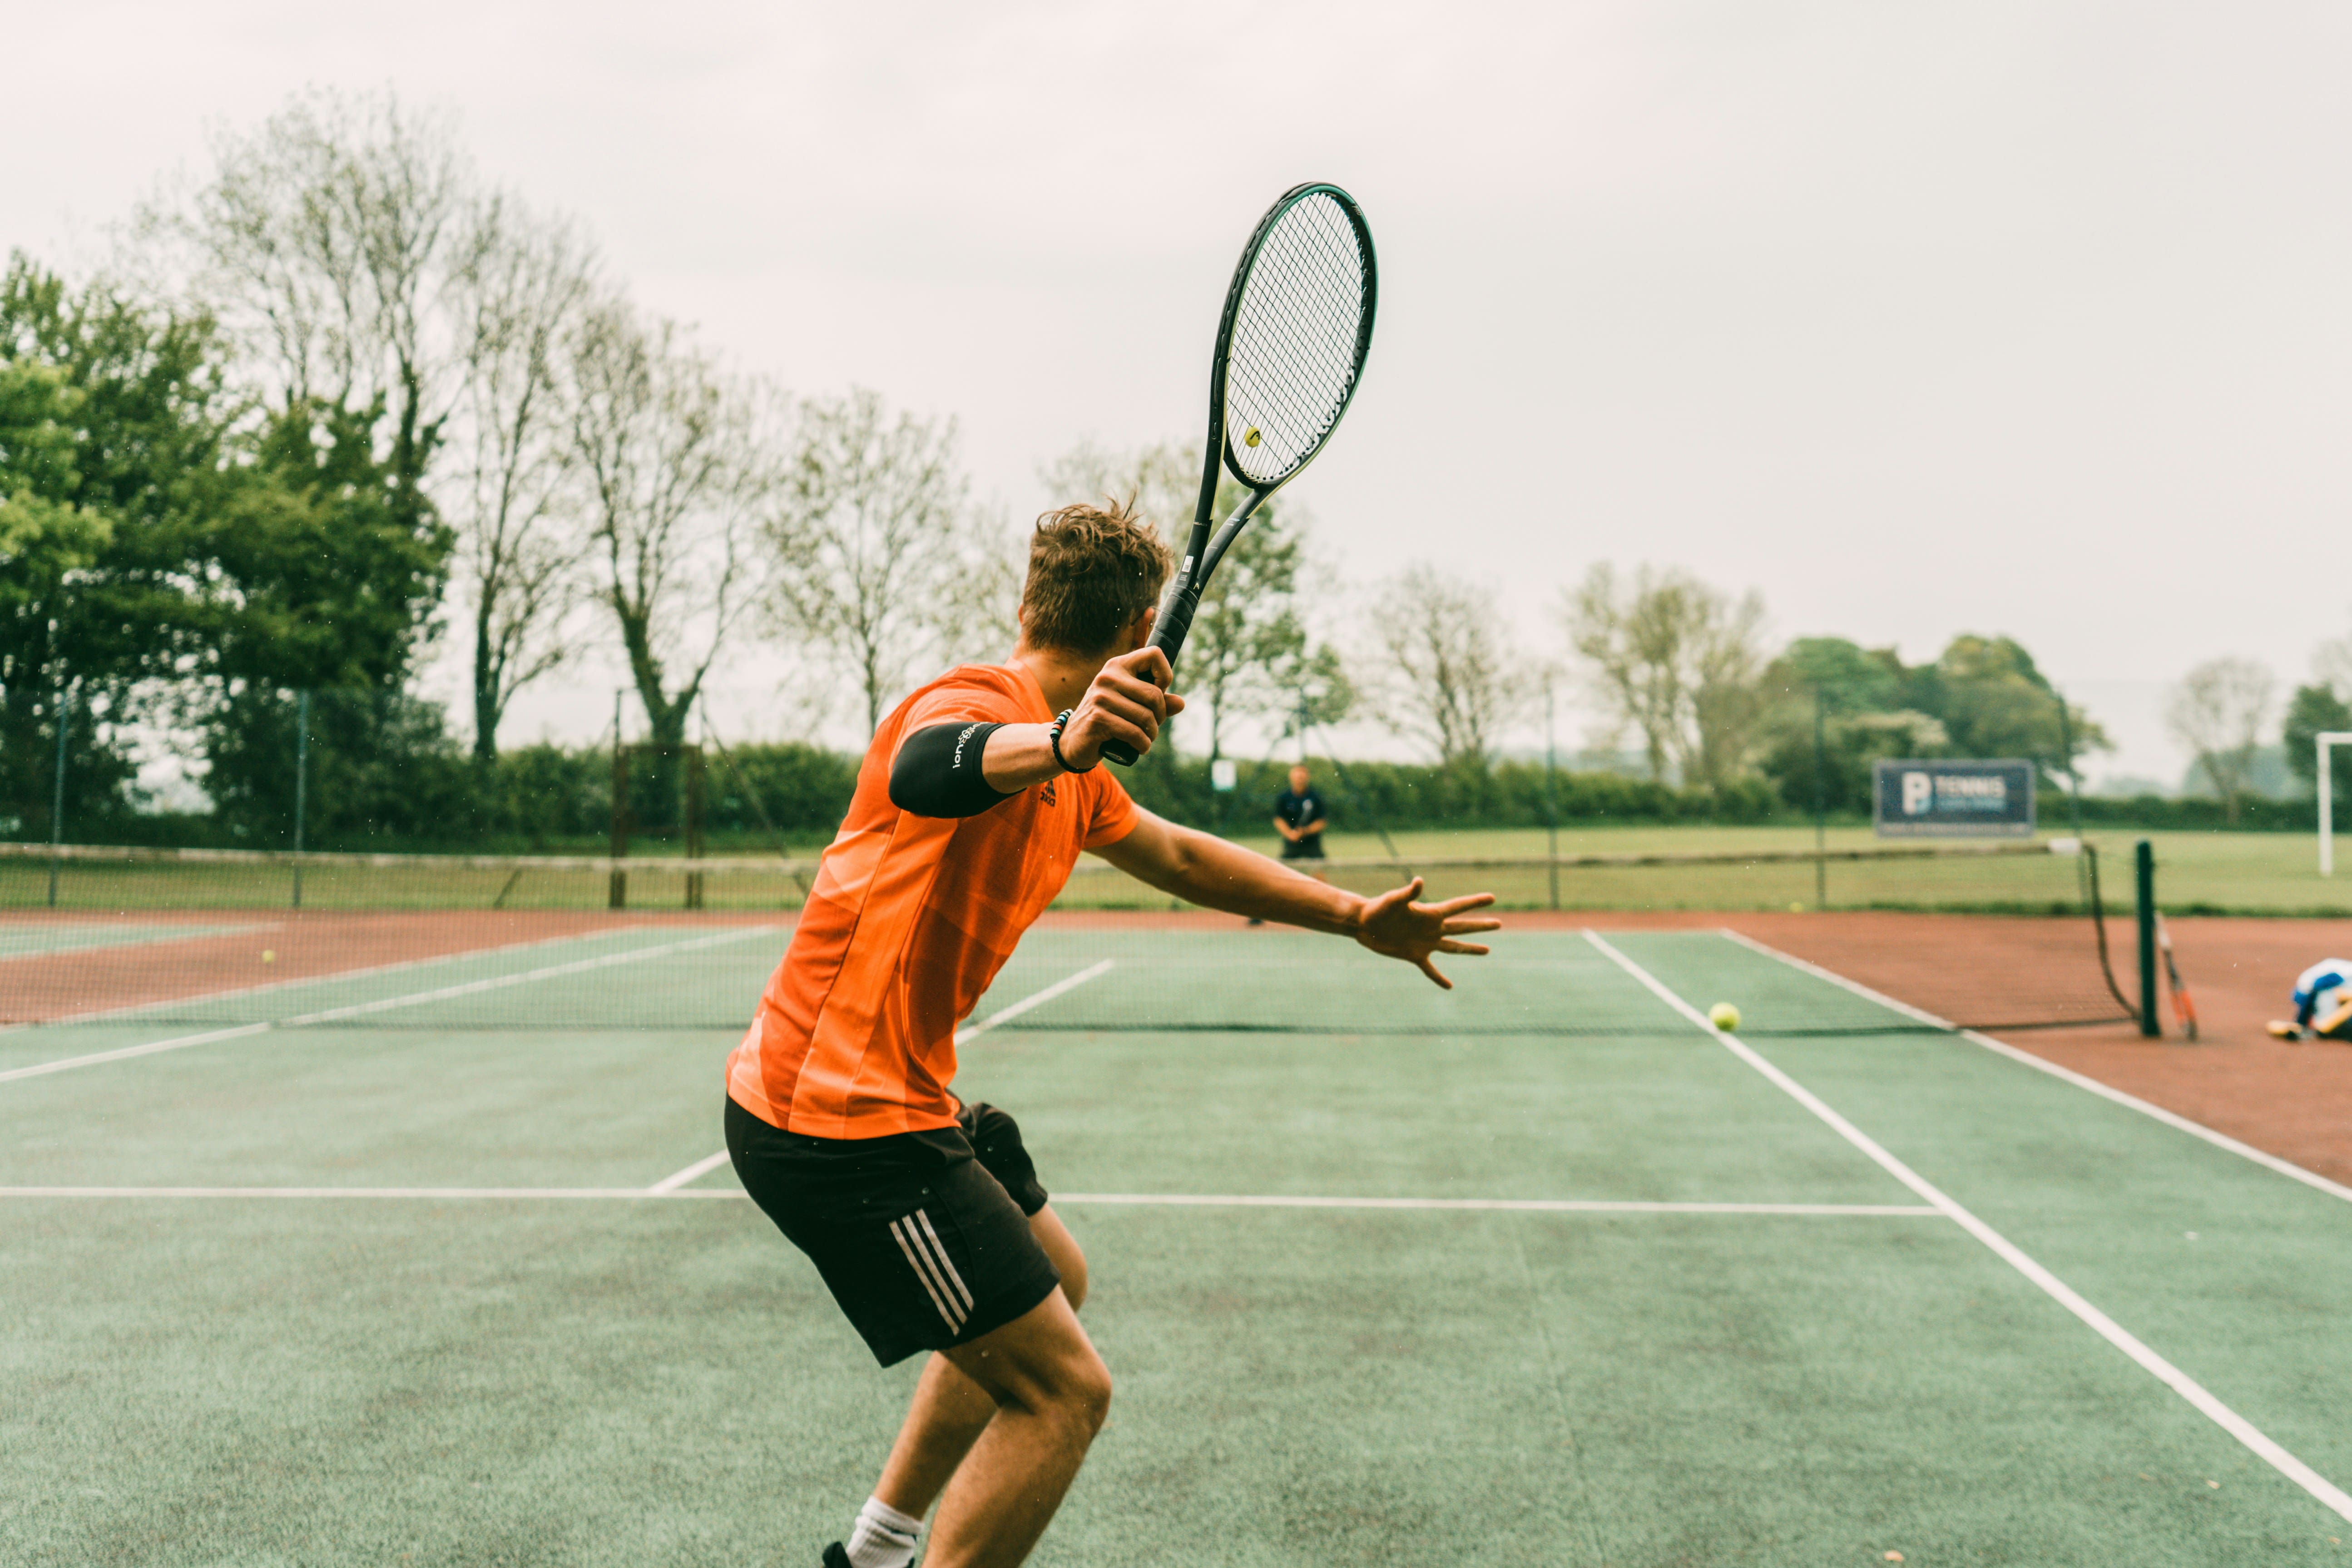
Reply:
x=616, y=894
x=64, y=716
x=2144, y=864
x=302, y=784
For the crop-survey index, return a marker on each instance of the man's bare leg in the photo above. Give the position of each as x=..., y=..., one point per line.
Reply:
x=1052, y=1392
x=950, y=1411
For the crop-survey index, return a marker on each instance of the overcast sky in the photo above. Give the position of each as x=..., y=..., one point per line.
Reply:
x=1919, y=319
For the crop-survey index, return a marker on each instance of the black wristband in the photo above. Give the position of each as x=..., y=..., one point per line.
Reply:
x=1054, y=740
x=937, y=771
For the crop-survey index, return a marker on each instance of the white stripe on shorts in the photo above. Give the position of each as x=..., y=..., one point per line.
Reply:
x=940, y=1255
x=901, y=1232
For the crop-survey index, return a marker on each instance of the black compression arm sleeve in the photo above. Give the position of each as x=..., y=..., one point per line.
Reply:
x=938, y=772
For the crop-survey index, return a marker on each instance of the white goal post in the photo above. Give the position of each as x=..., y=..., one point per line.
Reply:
x=2327, y=738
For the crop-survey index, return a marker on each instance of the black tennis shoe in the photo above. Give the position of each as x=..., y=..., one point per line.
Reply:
x=836, y=1556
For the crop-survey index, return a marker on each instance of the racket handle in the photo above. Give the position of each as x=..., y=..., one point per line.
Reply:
x=1168, y=636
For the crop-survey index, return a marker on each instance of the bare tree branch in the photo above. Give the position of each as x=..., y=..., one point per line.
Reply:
x=880, y=560
x=514, y=499
x=1677, y=661
x=1448, y=676
x=678, y=463
x=2218, y=712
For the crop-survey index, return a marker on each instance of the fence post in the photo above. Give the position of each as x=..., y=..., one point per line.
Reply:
x=2144, y=861
x=1821, y=807
x=302, y=784
x=58, y=798
x=1552, y=802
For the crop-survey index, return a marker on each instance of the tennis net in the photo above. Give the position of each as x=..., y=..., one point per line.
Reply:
x=2014, y=936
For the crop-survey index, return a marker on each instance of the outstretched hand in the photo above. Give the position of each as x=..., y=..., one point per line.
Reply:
x=1396, y=927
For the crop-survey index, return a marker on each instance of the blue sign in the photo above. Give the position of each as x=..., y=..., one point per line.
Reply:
x=1948, y=798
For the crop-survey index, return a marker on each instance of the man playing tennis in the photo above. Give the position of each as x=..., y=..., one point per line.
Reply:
x=924, y=1215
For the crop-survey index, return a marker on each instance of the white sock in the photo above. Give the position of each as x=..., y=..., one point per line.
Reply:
x=883, y=1537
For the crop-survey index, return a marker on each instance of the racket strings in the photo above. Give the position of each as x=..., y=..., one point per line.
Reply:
x=1296, y=347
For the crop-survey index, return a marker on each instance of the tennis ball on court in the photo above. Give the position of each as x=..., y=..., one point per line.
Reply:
x=268, y=955
x=1724, y=1016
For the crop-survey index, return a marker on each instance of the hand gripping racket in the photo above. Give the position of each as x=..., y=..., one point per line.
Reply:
x=1291, y=343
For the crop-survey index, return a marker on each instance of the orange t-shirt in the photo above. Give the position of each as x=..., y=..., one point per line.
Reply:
x=910, y=919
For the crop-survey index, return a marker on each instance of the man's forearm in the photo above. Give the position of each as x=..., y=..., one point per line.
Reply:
x=1216, y=875
x=1019, y=755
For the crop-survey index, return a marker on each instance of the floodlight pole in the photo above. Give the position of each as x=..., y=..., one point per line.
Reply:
x=2326, y=739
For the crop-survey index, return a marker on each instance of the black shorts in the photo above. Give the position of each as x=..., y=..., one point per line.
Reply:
x=1310, y=849
x=922, y=1237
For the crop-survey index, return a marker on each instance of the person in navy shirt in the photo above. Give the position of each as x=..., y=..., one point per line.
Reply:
x=1298, y=816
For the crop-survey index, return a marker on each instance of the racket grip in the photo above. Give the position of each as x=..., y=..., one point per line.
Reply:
x=1168, y=636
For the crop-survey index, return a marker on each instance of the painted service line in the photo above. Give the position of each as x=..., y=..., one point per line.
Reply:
x=389, y=1004
x=1037, y=999
x=693, y=1173
x=2327, y=1493
x=1157, y=1200
x=2286, y=1168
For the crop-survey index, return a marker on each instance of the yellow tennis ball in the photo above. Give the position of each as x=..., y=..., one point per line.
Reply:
x=268, y=955
x=1724, y=1016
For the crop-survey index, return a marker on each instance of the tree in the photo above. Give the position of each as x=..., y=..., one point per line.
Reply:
x=115, y=448
x=2317, y=709
x=1995, y=702
x=677, y=466
x=329, y=243
x=2218, y=712
x=1678, y=661
x=514, y=498
x=880, y=559
x=1448, y=676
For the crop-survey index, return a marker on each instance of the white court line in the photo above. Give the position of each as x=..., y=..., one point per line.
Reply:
x=710, y=1162
x=2287, y=1168
x=130, y=1011
x=2325, y=1491
x=1508, y=1205
x=1037, y=999
x=429, y=1193
x=695, y=1172
x=413, y=999
x=1155, y=1200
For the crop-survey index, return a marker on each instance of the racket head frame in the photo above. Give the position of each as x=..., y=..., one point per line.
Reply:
x=1208, y=542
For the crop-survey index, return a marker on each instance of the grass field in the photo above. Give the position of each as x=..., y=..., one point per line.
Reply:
x=2222, y=873
x=1492, y=1292
x=2216, y=873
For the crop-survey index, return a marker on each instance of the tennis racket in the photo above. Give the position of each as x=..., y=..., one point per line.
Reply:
x=1291, y=344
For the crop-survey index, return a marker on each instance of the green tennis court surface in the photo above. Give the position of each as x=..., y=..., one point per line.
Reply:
x=1537, y=1273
